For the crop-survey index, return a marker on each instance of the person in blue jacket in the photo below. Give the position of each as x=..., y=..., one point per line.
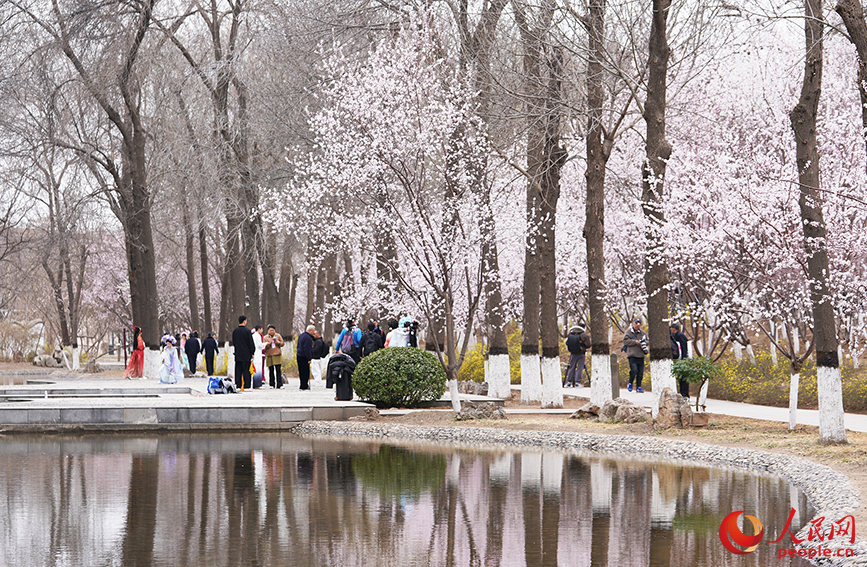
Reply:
x=349, y=341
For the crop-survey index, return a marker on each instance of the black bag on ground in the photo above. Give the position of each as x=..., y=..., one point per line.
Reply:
x=339, y=374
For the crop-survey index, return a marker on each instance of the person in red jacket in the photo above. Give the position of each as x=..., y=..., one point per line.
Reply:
x=135, y=367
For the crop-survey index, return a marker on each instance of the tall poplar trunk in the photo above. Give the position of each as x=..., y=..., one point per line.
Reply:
x=328, y=321
x=476, y=49
x=658, y=150
x=286, y=293
x=235, y=269
x=224, y=330
x=535, y=93
x=803, y=118
x=206, y=286
x=852, y=14
x=271, y=311
x=310, y=312
x=189, y=249
x=598, y=152
x=554, y=158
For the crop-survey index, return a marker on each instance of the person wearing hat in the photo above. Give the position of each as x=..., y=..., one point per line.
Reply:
x=577, y=344
x=635, y=345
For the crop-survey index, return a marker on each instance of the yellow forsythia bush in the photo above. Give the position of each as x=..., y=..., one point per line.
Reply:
x=766, y=383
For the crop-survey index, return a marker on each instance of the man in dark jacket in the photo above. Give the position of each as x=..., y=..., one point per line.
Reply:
x=192, y=347
x=371, y=341
x=679, y=349
x=242, y=339
x=304, y=354
x=210, y=348
x=320, y=356
x=577, y=343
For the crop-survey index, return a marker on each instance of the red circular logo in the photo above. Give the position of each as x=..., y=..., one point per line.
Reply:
x=730, y=533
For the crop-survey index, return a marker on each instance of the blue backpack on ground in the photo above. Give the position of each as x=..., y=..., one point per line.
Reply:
x=217, y=385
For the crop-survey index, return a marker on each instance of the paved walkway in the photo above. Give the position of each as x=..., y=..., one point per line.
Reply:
x=66, y=398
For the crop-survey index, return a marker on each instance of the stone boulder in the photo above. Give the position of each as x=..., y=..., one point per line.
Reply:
x=484, y=410
x=587, y=411
x=473, y=388
x=92, y=367
x=618, y=409
x=46, y=361
x=630, y=413
x=610, y=407
x=674, y=411
x=370, y=414
x=685, y=413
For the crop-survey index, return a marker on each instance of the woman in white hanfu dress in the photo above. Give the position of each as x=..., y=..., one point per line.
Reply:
x=171, y=371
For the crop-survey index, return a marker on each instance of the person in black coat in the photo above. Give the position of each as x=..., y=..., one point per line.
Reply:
x=242, y=339
x=192, y=347
x=339, y=374
x=371, y=341
x=304, y=354
x=577, y=344
x=210, y=348
x=679, y=349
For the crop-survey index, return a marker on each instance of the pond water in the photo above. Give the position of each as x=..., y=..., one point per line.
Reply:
x=277, y=499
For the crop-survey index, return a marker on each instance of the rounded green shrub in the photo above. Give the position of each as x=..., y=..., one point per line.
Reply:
x=399, y=377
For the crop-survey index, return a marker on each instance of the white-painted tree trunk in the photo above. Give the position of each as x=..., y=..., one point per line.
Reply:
x=455, y=395
x=832, y=428
x=856, y=362
x=552, y=383
x=600, y=379
x=796, y=341
x=152, y=361
x=230, y=360
x=661, y=378
x=739, y=351
x=531, y=379
x=752, y=354
x=794, y=381
x=498, y=376
x=702, y=395
x=76, y=358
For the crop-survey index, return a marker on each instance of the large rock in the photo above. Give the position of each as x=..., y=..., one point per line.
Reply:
x=370, y=414
x=630, y=413
x=46, y=361
x=670, y=404
x=473, y=388
x=484, y=410
x=685, y=413
x=586, y=411
x=610, y=407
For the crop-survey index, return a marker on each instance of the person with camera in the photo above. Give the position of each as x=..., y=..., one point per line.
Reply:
x=635, y=345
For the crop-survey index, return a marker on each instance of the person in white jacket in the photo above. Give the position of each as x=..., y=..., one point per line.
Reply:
x=259, y=354
x=399, y=337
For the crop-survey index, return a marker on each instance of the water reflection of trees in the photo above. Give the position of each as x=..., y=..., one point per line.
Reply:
x=267, y=500
x=395, y=472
